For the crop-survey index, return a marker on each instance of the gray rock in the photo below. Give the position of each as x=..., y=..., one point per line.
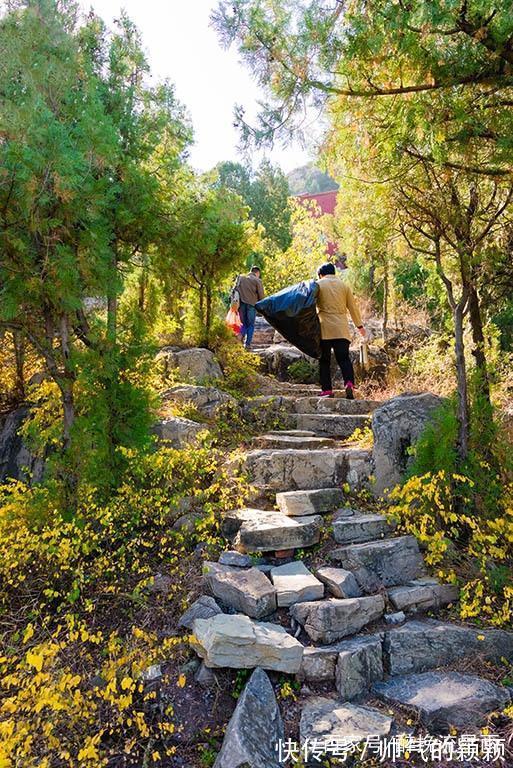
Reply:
x=187, y=522
x=335, y=405
x=16, y=459
x=196, y=364
x=289, y=470
x=277, y=358
x=319, y=662
x=315, y=502
x=245, y=590
x=294, y=583
x=444, y=699
x=293, y=441
x=336, y=425
x=359, y=664
x=255, y=728
x=178, y=432
x=328, y=620
x=422, y=596
x=391, y=561
x=205, y=676
x=422, y=645
x=238, y=642
x=206, y=400
x=327, y=720
x=397, y=425
x=203, y=608
x=359, y=528
x=395, y=618
x=265, y=531
x=340, y=583
x=235, y=559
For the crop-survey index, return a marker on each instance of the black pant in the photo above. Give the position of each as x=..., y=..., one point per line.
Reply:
x=341, y=350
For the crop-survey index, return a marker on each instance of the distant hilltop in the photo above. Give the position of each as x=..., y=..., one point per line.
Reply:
x=310, y=180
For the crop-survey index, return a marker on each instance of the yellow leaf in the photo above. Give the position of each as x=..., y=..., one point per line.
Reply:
x=181, y=681
x=126, y=683
x=35, y=660
x=29, y=631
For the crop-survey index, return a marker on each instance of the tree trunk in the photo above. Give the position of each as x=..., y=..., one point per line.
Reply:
x=385, y=301
x=112, y=302
x=208, y=314
x=479, y=353
x=461, y=375
x=19, y=355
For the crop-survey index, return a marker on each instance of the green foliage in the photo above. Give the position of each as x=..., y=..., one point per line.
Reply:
x=310, y=180
x=303, y=372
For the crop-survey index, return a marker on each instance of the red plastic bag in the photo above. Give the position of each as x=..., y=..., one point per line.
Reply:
x=233, y=321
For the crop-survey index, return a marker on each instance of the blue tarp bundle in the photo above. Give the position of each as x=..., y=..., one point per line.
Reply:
x=292, y=312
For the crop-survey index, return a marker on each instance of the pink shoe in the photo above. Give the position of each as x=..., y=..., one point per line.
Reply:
x=327, y=393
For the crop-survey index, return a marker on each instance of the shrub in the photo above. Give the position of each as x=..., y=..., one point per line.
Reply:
x=303, y=372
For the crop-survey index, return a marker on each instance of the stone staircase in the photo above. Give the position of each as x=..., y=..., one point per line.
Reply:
x=353, y=624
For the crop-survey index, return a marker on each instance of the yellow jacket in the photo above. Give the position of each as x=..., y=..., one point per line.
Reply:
x=334, y=300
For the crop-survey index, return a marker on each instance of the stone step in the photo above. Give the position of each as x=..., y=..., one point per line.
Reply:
x=335, y=405
x=360, y=528
x=286, y=440
x=294, y=583
x=388, y=562
x=258, y=530
x=339, y=582
x=291, y=470
x=328, y=620
x=422, y=594
x=445, y=699
x=327, y=721
x=336, y=425
x=246, y=590
x=291, y=432
x=298, y=503
x=238, y=642
x=419, y=646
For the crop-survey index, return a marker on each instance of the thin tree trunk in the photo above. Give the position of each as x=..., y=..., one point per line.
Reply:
x=385, y=301
x=19, y=355
x=461, y=376
x=112, y=302
x=208, y=314
x=479, y=353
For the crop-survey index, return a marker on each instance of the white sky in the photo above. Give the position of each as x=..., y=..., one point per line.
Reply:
x=209, y=80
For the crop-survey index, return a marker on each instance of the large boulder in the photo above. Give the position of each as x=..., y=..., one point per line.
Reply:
x=255, y=728
x=177, y=432
x=397, y=425
x=206, y=400
x=245, y=590
x=277, y=358
x=16, y=460
x=195, y=364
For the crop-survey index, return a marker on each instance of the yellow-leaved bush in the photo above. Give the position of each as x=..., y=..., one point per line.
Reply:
x=79, y=621
x=465, y=548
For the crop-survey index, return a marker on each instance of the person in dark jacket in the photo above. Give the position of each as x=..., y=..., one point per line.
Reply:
x=250, y=290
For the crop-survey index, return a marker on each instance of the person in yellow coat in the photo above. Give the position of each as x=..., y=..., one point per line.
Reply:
x=334, y=300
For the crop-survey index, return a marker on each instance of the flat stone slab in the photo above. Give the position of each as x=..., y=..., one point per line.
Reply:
x=445, y=699
x=422, y=596
x=266, y=531
x=340, y=583
x=319, y=663
x=293, y=441
x=418, y=646
x=328, y=620
x=294, y=583
x=359, y=664
x=247, y=590
x=235, y=559
x=335, y=405
x=255, y=728
x=291, y=470
x=391, y=561
x=332, y=424
x=326, y=720
x=203, y=608
x=359, y=528
x=315, y=502
x=238, y=642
